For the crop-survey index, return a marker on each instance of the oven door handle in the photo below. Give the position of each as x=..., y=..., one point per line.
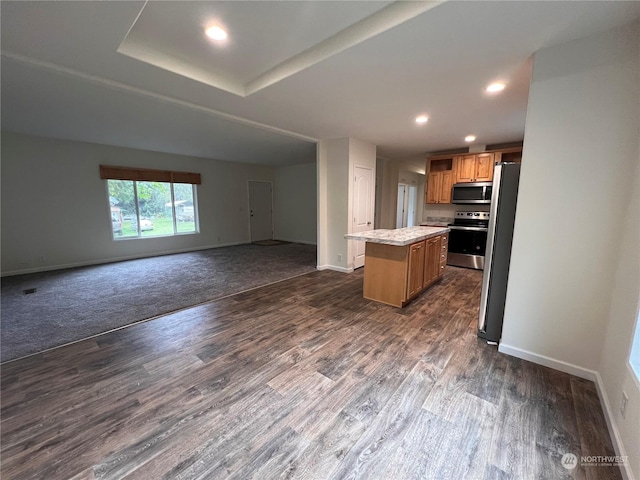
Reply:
x=471, y=229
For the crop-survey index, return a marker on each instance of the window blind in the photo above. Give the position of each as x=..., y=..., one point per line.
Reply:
x=109, y=172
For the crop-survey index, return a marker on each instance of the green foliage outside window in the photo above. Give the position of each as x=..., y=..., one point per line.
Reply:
x=146, y=209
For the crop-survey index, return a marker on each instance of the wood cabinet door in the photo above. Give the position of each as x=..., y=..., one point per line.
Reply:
x=446, y=184
x=416, y=269
x=484, y=167
x=466, y=168
x=433, y=187
x=432, y=260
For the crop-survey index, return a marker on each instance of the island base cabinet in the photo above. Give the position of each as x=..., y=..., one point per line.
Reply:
x=394, y=275
x=432, y=263
x=386, y=269
x=416, y=273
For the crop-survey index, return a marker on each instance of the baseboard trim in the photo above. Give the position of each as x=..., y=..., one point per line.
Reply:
x=334, y=268
x=609, y=417
x=115, y=259
x=585, y=373
x=548, y=362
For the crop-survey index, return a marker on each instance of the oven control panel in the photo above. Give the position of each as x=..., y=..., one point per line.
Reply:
x=472, y=215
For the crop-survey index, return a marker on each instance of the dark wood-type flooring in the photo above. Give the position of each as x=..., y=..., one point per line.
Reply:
x=300, y=379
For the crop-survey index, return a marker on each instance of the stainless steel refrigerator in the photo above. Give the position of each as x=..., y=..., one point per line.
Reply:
x=506, y=177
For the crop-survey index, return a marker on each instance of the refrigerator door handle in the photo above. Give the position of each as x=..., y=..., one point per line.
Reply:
x=471, y=229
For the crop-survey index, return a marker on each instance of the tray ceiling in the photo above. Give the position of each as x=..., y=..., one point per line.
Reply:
x=291, y=72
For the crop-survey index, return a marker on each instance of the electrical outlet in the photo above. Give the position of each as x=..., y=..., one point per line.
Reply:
x=623, y=404
x=339, y=258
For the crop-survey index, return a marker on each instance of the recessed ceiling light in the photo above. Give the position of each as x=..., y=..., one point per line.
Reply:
x=422, y=119
x=496, y=87
x=216, y=33
x=469, y=138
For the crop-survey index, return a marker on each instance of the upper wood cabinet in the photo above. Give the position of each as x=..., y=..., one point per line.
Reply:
x=465, y=168
x=484, y=167
x=445, y=170
x=440, y=179
x=446, y=184
x=477, y=167
x=439, y=186
x=509, y=155
x=433, y=187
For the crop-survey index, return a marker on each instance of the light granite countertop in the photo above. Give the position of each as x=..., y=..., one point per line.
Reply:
x=399, y=236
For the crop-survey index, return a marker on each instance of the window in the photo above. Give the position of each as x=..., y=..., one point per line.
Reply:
x=149, y=207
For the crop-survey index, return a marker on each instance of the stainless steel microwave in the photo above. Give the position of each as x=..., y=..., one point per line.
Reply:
x=471, y=193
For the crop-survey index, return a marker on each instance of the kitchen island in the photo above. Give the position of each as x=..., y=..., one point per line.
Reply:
x=402, y=263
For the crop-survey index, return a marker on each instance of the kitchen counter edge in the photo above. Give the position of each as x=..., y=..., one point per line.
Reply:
x=399, y=237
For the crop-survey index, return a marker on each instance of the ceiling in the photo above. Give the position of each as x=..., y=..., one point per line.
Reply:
x=143, y=75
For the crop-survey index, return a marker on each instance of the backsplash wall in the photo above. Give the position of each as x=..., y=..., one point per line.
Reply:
x=449, y=210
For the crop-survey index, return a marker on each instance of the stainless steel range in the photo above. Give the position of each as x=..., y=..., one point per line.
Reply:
x=468, y=239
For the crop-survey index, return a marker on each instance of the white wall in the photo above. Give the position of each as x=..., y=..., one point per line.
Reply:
x=580, y=153
x=336, y=160
x=295, y=203
x=55, y=208
x=387, y=176
x=333, y=202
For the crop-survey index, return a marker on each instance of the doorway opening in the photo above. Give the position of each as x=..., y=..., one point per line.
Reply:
x=407, y=204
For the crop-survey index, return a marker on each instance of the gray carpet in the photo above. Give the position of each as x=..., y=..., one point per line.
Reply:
x=77, y=303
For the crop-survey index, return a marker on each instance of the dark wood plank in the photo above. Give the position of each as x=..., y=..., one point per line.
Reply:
x=327, y=447
x=300, y=379
x=426, y=430
x=369, y=456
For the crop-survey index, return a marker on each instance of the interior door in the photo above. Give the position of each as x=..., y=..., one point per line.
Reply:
x=260, y=211
x=362, y=210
